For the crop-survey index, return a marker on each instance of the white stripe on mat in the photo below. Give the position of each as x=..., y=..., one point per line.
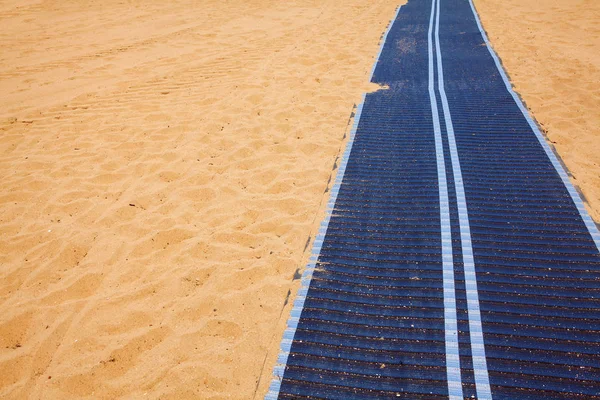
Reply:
x=480, y=370
x=453, y=374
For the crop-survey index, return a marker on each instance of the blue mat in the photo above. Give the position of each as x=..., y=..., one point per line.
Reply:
x=456, y=260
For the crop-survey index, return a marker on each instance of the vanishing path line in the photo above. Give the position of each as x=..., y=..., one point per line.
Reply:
x=482, y=381
x=455, y=391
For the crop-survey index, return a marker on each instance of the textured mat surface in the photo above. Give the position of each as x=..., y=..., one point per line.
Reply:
x=457, y=261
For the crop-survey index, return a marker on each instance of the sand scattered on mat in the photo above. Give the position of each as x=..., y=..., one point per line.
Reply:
x=162, y=166
x=551, y=50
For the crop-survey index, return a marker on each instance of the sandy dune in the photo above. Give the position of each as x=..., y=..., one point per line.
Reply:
x=164, y=163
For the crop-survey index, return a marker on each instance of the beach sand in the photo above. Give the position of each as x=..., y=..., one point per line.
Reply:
x=164, y=165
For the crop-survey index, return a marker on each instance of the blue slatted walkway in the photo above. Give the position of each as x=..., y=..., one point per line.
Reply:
x=456, y=260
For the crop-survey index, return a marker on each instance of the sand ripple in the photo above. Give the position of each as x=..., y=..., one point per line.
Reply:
x=163, y=165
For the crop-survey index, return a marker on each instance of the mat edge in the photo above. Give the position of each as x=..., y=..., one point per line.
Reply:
x=559, y=165
x=290, y=331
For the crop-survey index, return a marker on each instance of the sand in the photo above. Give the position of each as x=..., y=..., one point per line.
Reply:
x=551, y=50
x=164, y=165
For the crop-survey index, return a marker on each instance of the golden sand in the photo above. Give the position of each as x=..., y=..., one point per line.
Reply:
x=163, y=165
